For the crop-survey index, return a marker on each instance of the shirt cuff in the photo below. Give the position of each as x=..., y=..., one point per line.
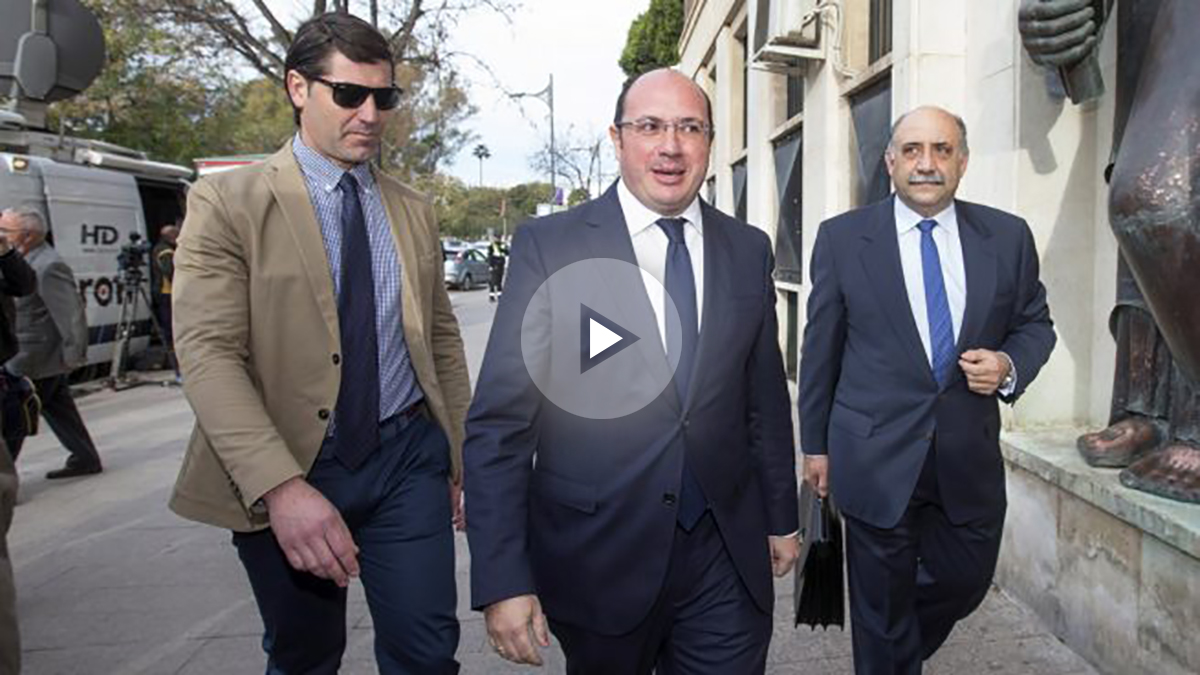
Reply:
x=1009, y=385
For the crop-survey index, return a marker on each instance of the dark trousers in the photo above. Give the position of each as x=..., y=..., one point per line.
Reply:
x=60, y=412
x=496, y=277
x=397, y=507
x=10, y=640
x=162, y=312
x=911, y=583
x=704, y=620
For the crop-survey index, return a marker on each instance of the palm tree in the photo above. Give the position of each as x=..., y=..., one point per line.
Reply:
x=482, y=152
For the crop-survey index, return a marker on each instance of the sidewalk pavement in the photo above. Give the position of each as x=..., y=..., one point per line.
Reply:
x=110, y=582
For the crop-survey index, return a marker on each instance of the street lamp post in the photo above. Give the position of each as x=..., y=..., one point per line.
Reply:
x=547, y=96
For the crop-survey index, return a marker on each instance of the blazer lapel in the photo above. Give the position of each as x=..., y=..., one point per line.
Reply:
x=881, y=262
x=980, y=263
x=607, y=236
x=291, y=192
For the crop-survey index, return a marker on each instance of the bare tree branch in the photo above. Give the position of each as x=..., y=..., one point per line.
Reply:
x=403, y=36
x=318, y=7
x=375, y=13
x=282, y=35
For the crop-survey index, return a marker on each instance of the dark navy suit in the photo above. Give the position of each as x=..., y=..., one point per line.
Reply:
x=582, y=512
x=916, y=468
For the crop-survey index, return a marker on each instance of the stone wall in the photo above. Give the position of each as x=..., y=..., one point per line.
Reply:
x=1113, y=572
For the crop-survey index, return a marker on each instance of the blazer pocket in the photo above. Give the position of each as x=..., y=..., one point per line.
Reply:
x=851, y=420
x=578, y=496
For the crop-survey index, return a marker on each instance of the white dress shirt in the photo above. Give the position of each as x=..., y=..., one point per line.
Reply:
x=650, y=248
x=954, y=274
x=950, y=254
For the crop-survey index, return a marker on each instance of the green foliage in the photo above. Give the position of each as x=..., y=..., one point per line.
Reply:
x=469, y=212
x=653, y=40
x=578, y=196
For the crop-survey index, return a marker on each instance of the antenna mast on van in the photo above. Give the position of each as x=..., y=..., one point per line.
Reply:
x=50, y=50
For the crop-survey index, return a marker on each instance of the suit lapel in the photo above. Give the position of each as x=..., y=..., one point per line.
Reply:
x=881, y=262
x=980, y=263
x=607, y=236
x=291, y=193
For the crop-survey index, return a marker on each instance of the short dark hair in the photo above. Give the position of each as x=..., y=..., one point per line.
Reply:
x=317, y=39
x=619, y=115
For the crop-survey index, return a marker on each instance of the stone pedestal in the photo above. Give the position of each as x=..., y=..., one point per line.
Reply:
x=1115, y=573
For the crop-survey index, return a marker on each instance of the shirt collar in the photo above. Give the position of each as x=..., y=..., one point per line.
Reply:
x=639, y=217
x=907, y=219
x=321, y=172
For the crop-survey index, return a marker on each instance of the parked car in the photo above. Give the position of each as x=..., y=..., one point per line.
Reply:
x=464, y=267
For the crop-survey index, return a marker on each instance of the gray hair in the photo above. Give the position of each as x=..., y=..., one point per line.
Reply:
x=958, y=121
x=31, y=219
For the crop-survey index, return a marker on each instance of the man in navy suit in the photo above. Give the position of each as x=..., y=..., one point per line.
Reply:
x=645, y=541
x=923, y=311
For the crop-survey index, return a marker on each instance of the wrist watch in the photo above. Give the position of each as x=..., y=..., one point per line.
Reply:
x=1010, y=376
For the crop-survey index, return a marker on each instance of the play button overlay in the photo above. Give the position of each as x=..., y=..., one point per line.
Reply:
x=591, y=338
x=601, y=338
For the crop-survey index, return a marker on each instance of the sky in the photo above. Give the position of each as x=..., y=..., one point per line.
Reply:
x=579, y=42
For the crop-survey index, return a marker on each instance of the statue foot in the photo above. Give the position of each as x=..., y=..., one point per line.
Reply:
x=1173, y=473
x=1120, y=444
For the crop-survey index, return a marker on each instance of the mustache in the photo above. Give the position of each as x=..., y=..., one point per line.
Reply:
x=930, y=179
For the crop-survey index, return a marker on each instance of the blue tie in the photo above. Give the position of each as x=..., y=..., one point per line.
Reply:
x=357, y=433
x=681, y=287
x=941, y=326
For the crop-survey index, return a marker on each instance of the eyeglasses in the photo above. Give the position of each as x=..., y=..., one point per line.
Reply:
x=351, y=96
x=652, y=127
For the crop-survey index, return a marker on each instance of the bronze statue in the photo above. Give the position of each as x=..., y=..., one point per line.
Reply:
x=1154, y=210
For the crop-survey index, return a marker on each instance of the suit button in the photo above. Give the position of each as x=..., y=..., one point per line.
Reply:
x=687, y=422
x=337, y=359
x=323, y=413
x=928, y=437
x=669, y=499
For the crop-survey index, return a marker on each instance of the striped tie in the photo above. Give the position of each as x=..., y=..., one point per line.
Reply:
x=941, y=327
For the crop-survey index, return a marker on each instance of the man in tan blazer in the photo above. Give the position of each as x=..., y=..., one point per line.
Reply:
x=324, y=364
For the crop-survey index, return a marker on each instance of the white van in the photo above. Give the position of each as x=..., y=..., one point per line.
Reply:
x=94, y=195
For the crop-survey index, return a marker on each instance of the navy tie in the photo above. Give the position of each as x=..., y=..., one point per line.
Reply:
x=681, y=287
x=357, y=419
x=941, y=327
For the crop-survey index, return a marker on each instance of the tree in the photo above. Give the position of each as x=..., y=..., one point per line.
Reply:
x=653, y=40
x=577, y=161
x=481, y=153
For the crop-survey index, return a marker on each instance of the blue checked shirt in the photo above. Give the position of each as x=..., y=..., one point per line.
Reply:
x=398, y=386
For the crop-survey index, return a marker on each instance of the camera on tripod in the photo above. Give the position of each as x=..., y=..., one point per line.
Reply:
x=131, y=260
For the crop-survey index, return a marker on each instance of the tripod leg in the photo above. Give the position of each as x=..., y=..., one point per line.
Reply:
x=158, y=331
x=121, y=339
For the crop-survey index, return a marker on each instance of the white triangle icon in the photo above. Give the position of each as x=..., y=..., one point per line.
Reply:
x=600, y=338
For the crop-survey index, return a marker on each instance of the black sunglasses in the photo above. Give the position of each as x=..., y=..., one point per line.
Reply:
x=351, y=96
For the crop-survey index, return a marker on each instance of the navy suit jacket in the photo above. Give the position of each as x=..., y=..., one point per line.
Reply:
x=868, y=397
x=582, y=512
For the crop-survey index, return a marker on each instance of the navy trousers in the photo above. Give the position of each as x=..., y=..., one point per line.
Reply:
x=703, y=622
x=910, y=584
x=397, y=507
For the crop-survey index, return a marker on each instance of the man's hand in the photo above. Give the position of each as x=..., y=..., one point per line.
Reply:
x=311, y=532
x=1057, y=33
x=784, y=552
x=458, y=513
x=985, y=370
x=512, y=627
x=816, y=473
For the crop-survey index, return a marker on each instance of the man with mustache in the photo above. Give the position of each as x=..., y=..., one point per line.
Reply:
x=924, y=311
x=645, y=542
x=324, y=364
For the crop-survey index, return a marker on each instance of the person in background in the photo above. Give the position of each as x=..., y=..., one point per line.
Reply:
x=52, y=337
x=497, y=254
x=162, y=257
x=17, y=279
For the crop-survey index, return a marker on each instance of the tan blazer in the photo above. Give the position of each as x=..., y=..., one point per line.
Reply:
x=256, y=333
